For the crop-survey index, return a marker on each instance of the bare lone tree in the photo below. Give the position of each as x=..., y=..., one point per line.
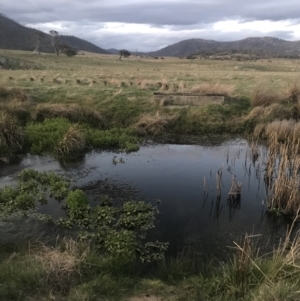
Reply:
x=124, y=53
x=38, y=36
x=55, y=40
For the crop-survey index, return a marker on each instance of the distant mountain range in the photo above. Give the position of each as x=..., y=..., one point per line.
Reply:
x=18, y=37
x=266, y=46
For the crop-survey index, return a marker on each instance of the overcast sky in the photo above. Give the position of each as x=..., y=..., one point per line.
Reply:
x=151, y=25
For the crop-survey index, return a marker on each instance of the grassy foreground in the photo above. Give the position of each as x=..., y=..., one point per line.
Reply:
x=74, y=271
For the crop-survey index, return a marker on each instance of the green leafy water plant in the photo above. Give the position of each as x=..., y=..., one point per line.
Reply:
x=33, y=187
x=118, y=231
x=114, y=230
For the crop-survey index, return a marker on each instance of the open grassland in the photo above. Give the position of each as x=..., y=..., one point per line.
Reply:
x=103, y=93
x=121, y=91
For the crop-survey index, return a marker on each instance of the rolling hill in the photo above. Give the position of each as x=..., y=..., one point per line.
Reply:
x=266, y=46
x=18, y=37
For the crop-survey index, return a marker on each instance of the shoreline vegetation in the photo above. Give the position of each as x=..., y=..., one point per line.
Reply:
x=66, y=107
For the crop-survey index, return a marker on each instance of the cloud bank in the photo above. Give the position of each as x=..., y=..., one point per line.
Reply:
x=148, y=26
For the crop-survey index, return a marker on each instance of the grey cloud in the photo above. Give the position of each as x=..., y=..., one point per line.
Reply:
x=184, y=19
x=182, y=12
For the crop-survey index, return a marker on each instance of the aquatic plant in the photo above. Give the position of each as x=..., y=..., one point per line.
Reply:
x=110, y=228
x=114, y=230
x=32, y=187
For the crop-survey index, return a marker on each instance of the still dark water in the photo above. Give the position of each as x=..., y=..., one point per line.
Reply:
x=174, y=175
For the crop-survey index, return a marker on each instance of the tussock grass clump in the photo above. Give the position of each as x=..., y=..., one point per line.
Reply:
x=11, y=134
x=4, y=92
x=118, y=83
x=152, y=124
x=283, y=129
x=251, y=276
x=149, y=84
x=264, y=97
x=61, y=264
x=72, y=112
x=275, y=111
x=72, y=144
x=293, y=92
x=214, y=89
x=12, y=94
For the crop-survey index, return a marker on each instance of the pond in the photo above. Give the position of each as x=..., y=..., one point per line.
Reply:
x=181, y=180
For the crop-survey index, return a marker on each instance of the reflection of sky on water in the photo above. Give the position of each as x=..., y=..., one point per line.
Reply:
x=175, y=175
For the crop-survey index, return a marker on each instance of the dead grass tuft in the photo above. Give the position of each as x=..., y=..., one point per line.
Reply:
x=10, y=94
x=275, y=111
x=259, y=130
x=10, y=132
x=283, y=129
x=57, y=81
x=61, y=264
x=164, y=87
x=73, y=112
x=293, y=92
x=213, y=89
x=73, y=143
x=152, y=124
x=264, y=97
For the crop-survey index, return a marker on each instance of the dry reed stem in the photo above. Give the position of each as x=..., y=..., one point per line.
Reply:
x=236, y=187
x=283, y=176
x=245, y=258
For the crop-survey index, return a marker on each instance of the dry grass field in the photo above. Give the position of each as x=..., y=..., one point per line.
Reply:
x=121, y=91
x=92, y=70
